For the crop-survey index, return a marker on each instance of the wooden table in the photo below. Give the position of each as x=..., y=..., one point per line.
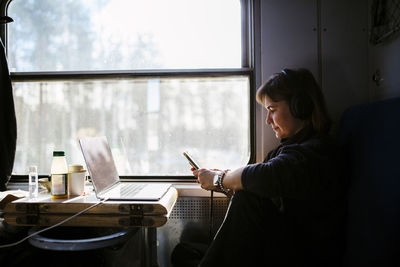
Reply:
x=46, y=211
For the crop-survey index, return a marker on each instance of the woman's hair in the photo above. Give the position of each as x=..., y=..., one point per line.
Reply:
x=300, y=90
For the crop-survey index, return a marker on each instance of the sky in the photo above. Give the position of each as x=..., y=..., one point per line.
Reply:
x=186, y=32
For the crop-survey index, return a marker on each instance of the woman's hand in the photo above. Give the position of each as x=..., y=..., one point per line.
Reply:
x=232, y=179
x=205, y=177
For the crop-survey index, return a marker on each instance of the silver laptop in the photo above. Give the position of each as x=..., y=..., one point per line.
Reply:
x=101, y=166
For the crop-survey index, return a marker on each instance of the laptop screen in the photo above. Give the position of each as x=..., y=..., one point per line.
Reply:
x=99, y=161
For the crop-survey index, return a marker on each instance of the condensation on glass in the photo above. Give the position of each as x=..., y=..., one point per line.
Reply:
x=149, y=122
x=59, y=35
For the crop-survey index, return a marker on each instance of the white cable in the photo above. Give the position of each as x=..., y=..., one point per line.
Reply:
x=53, y=226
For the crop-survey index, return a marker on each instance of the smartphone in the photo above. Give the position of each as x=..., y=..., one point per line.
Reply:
x=191, y=161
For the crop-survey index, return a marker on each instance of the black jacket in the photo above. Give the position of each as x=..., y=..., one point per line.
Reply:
x=303, y=176
x=303, y=167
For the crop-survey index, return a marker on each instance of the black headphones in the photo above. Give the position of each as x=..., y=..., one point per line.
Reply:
x=300, y=104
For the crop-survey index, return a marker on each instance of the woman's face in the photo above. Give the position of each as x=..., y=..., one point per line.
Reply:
x=281, y=120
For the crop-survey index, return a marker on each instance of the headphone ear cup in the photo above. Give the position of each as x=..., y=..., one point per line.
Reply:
x=293, y=106
x=301, y=106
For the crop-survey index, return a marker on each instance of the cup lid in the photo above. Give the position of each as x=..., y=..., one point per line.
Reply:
x=76, y=168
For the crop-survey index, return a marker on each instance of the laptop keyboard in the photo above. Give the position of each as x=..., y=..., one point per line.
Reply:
x=131, y=189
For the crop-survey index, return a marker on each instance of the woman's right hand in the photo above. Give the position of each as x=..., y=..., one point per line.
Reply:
x=205, y=178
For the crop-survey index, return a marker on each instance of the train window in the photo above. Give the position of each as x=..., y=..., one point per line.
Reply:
x=59, y=35
x=156, y=77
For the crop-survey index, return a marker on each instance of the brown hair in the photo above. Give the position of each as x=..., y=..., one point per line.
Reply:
x=301, y=91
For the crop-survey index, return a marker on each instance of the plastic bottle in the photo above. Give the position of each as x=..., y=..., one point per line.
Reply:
x=59, y=175
x=33, y=182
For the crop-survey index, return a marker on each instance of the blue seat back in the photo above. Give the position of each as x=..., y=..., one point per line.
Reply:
x=370, y=137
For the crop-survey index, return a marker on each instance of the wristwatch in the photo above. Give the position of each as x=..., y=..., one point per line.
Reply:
x=215, y=180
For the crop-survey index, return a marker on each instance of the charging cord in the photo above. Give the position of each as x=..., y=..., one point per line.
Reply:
x=55, y=225
x=211, y=215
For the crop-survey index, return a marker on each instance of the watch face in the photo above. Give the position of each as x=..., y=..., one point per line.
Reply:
x=215, y=180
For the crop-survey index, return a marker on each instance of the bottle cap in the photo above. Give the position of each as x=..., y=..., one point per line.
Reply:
x=58, y=153
x=33, y=169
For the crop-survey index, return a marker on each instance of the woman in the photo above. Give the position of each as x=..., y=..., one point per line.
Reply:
x=286, y=211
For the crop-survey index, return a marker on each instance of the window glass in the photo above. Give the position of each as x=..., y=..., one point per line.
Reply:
x=148, y=122
x=148, y=118
x=75, y=35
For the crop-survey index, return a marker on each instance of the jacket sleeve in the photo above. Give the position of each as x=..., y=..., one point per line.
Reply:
x=298, y=171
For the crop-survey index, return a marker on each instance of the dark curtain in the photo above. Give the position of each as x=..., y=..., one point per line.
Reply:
x=8, y=123
x=385, y=20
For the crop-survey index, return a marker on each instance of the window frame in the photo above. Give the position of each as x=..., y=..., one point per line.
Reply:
x=248, y=59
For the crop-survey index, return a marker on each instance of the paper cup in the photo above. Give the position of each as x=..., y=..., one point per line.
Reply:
x=76, y=180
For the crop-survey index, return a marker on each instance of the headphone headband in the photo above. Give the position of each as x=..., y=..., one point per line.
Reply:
x=301, y=104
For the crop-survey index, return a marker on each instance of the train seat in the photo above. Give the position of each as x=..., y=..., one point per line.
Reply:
x=370, y=137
